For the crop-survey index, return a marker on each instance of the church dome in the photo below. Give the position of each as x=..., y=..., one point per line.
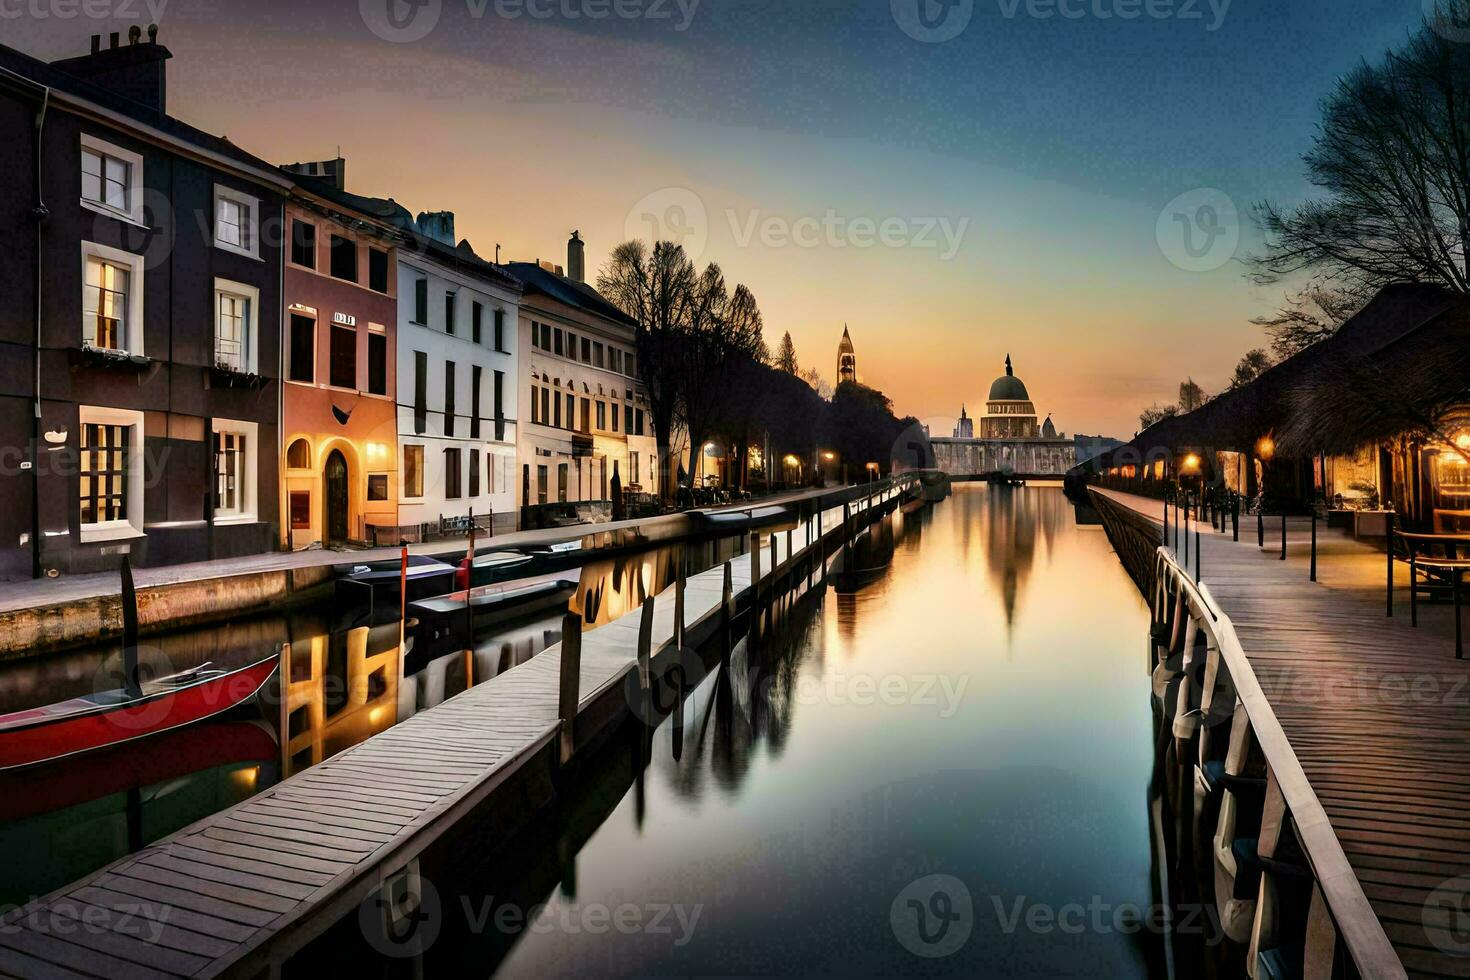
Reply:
x=1008, y=387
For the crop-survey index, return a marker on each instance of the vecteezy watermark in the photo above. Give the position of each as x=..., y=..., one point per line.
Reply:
x=893, y=690
x=143, y=921
x=670, y=214
x=150, y=11
x=932, y=21
x=1100, y=917
x=933, y=916
x=837, y=231
x=1450, y=19
x=406, y=21
x=1446, y=916
x=1199, y=231
x=937, y=21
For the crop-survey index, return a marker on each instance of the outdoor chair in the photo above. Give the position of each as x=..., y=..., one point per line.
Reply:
x=1437, y=563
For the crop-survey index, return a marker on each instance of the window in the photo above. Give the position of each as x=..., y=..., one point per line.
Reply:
x=344, y=258
x=112, y=180
x=234, y=471
x=541, y=484
x=586, y=415
x=377, y=271
x=561, y=483
x=571, y=345
x=449, y=305
x=597, y=356
x=234, y=221
x=234, y=326
x=377, y=354
x=499, y=405
x=586, y=351
x=420, y=392
x=601, y=414
x=638, y=420
x=413, y=471
x=571, y=411
x=628, y=420
x=449, y=398
x=475, y=373
x=614, y=413
x=452, y=474
x=500, y=330
x=298, y=455
x=112, y=298
x=474, y=472
x=633, y=468
x=301, y=510
x=303, y=349
x=344, y=357
x=377, y=486
x=421, y=302
x=535, y=404
x=556, y=342
x=477, y=314
x=546, y=336
x=110, y=485
x=303, y=243
x=628, y=367
x=556, y=415
x=545, y=402
x=617, y=360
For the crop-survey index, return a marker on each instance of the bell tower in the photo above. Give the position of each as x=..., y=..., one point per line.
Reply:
x=846, y=358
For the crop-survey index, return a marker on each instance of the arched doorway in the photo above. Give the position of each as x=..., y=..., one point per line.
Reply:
x=334, y=498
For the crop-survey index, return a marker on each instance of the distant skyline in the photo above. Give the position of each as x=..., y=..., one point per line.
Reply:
x=1003, y=191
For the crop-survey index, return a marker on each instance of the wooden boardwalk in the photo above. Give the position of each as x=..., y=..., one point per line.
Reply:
x=239, y=891
x=1377, y=712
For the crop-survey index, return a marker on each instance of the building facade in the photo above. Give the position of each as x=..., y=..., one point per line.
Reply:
x=1010, y=440
x=458, y=318
x=339, y=425
x=585, y=416
x=139, y=330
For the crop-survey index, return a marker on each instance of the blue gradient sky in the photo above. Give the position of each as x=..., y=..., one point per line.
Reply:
x=1055, y=143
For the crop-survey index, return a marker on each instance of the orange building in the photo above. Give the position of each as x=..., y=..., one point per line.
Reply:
x=340, y=473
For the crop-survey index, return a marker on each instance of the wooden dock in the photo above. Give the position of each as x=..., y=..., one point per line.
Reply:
x=1376, y=712
x=238, y=892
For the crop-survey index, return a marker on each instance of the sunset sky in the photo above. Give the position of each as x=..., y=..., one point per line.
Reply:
x=779, y=135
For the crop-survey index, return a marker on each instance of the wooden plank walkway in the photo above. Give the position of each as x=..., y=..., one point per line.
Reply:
x=233, y=893
x=1377, y=712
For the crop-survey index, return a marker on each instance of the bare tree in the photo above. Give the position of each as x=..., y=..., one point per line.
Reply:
x=1155, y=414
x=1392, y=154
x=814, y=378
x=1311, y=314
x=1254, y=364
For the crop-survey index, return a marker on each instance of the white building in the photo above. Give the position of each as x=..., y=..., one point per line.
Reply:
x=586, y=415
x=457, y=380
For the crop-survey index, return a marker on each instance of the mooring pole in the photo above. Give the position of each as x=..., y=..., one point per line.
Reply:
x=1261, y=527
x=1389, y=523
x=1199, y=555
x=679, y=604
x=569, y=689
x=1314, y=544
x=1235, y=514
x=1283, y=535
x=132, y=681
x=1186, y=530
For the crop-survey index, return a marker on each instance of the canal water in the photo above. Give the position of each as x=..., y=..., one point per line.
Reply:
x=947, y=771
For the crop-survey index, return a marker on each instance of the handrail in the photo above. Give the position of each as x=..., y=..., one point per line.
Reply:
x=1357, y=923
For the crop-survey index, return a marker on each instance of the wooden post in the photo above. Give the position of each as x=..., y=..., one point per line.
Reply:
x=645, y=650
x=1314, y=544
x=1261, y=527
x=679, y=604
x=132, y=681
x=1186, y=530
x=727, y=595
x=1199, y=555
x=1389, y=579
x=1235, y=515
x=1166, y=519
x=1283, y=535
x=571, y=680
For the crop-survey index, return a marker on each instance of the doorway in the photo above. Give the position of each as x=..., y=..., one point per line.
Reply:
x=334, y=500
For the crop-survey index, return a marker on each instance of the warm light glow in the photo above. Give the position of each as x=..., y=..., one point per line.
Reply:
x=376, y=450
x=872, y=466
x=829, y=455
x=245, y=779
x=1191, y=463
x=792, y=461
x=1266, y=448
x=1462, y=439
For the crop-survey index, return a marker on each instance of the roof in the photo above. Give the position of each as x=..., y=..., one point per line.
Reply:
x=1008, y=387
x=61, y=82
x=534, y=279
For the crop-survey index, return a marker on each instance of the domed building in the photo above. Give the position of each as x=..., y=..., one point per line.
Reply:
x=1011, y=442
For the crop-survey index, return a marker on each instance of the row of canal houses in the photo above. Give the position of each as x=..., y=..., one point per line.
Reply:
x=204, y=355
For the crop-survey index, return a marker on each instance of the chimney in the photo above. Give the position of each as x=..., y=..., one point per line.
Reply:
x=438, y=225
x=334, y=170
x=135, y=71
x=576, y=259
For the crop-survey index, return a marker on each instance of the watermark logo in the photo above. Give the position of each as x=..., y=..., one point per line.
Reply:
x=400, y=21
x=1199, y=231
x=673, y=676
x=932, y=21
x=942, y=235
x=112, y=675
x=933, y=917
x=1446, y=916
x=1450, y=19
x=136, y=10
x=671, y=214
x=402, y=917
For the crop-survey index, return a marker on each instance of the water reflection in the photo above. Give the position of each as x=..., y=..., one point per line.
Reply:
x=977, y=712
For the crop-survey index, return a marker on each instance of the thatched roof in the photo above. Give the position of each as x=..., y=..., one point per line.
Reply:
x=1402, y=354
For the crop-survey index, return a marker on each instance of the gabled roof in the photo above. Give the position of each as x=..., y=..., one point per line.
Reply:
x=579, y=295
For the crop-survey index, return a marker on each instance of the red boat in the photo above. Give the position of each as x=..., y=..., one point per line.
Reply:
x=111, y=717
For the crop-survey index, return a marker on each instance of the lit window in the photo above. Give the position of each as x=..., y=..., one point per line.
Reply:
x=234, y=221
x=234, y=326
x=298, y=455
x=110, y=484
x=112, y=180
x=413, y=471
x=112, y=299
x=234, y=471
